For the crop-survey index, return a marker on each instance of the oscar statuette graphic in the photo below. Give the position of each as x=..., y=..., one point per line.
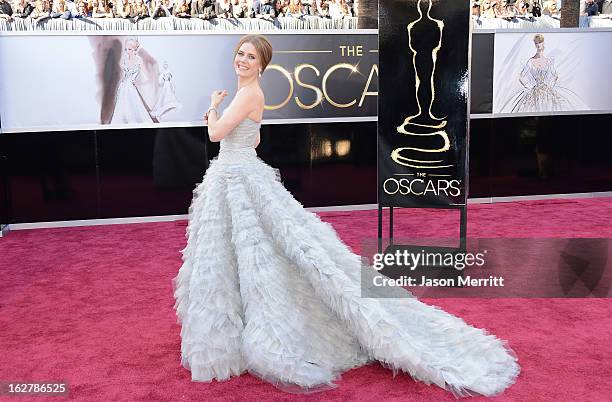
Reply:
x=423, y=103
x=424, y=48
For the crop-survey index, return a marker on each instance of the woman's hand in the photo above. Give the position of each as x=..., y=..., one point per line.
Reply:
x=217, y=97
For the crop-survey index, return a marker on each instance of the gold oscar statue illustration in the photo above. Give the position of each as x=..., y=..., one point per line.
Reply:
x=424, y=47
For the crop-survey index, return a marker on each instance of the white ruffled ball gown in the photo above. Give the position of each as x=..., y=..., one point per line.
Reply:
x=267, y=287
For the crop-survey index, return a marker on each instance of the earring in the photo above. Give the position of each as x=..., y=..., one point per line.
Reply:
x=260, y=73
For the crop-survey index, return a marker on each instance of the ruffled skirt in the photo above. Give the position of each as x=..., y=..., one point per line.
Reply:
x=267, y=287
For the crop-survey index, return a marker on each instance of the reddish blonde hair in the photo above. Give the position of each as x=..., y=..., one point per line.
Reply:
x=262, y=47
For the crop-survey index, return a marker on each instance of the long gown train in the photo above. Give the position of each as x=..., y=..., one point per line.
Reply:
x=267, y=287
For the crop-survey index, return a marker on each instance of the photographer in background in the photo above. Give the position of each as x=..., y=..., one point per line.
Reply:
x=6, y=11
x=589, y=8
x=203, y=9
x=536, y=8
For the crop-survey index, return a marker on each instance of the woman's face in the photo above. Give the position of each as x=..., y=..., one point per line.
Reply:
x=131, y=47
x=246, y=62
x=540, y=46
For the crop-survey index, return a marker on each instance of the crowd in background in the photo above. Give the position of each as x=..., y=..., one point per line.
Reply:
x=596, y=7
x=203, y=9
x=509, y=9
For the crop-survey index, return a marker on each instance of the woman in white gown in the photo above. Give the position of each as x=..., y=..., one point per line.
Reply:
x=267, y=287
x=129, y=104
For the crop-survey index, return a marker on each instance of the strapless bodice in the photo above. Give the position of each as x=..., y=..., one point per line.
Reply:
x=238, y=144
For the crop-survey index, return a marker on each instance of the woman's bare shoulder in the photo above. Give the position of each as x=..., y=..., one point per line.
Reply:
x=254, y=96
x=253, y=99
x=252, y=92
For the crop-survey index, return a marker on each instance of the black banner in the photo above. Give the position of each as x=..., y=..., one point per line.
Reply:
x=322, y=75
x=481, y=84
x=423, y=102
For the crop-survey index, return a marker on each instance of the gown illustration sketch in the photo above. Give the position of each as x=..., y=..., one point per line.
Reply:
x=129, y=104
x=540, y=92
x=166, y=100
x=267, y=287
x=541, y=88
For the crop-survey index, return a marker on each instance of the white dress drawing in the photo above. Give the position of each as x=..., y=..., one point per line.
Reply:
x=267, y=287
x=167, y=99
x=541, y=91
x=129, y=104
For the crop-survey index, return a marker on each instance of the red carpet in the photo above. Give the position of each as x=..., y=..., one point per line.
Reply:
x=93, y=306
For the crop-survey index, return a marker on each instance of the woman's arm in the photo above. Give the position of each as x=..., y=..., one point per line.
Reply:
x=238, y=110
